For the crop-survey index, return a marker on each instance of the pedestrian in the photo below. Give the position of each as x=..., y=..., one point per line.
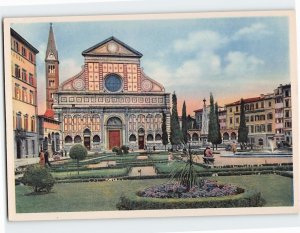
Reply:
x=233, y=147
x=47, y=158
x=42, y=159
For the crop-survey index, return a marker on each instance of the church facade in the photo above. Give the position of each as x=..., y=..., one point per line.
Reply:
x=111, y=102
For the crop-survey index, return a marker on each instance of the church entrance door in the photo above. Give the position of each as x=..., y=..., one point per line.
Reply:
x=141, y=142
x=114, y=138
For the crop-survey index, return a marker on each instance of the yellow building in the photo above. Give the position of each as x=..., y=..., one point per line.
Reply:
x=24, y=84
x=260, y=120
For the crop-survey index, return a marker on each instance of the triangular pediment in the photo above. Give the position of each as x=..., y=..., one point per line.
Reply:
x=112, y=47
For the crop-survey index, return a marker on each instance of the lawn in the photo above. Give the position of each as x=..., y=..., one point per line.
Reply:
x=99, y=196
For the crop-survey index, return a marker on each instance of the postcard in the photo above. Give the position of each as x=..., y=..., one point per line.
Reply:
x=151, y=115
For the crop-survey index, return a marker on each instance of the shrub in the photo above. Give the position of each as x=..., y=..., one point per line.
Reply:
x=115, y=149
x=78, y=152
x=125, y=149
x=39, y=178
x=134, y=202
x=119, y=152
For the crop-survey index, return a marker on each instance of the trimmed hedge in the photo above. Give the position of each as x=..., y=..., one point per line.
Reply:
x=249, y=198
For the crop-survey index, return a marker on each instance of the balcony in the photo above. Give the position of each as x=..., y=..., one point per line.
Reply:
x=279, y=105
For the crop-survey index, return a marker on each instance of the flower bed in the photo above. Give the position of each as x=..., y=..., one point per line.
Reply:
x=170, y=197
x=209, y=188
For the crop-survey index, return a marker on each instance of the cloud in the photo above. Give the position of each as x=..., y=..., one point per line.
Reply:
x=241, y=64
x=200, y=40
x=254, y=31
x=68, y=68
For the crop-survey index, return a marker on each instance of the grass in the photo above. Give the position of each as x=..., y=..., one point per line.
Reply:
x=159, y=157
x=102, y=196
x=91, y=173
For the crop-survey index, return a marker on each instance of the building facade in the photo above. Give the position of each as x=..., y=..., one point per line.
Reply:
x=111, y=102
x=49, y=133
x=283, y=114
x=24, y=93
x=260, y=120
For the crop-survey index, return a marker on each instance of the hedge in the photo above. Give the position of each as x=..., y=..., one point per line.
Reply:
x=132, y=201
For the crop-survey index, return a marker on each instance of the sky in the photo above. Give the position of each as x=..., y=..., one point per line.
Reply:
x=228, y=57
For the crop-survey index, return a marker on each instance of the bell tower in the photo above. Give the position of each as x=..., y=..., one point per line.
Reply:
x=52, y=69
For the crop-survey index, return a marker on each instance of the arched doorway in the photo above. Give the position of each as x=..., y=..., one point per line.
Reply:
x=114, y=128
x=141, y=133
x=233, y=136
x=225, y=136
x=87, y=139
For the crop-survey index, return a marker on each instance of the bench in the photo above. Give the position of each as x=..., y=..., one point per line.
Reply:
x=208, y=160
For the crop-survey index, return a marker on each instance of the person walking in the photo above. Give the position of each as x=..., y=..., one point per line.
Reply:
x=42, y=159
x=47, y=158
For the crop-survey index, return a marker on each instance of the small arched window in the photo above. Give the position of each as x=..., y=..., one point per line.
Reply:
x=150, y=137
x=68, y=139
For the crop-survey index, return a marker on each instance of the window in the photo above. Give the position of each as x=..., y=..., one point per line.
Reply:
x=230, y=109
x=26, y=122
x=287, y=113
x=287, y=104
x=24, y=75
x=31, y=57
x=256, y=105
x=270, y=104
x=96, y=139
x=51, y=69
x=16, y=46
x=24, y=94
x=269, y=127
x=113, y=83
x=132, y=138
x=263, y=128
x=230, y=120
x=23, y=51
x=252, y=128
x=68, y=139
x=247, y=118
x=286, y=93
x=262, y=104
x=236, y=108
x=77, y=139
x=270, y=116
x=51, y=83
x=30, y=79
x=17, y=91
x=31, y=97
x=19, y=121
x=17, y=71
x=150, y=137
x=32, y=124
x=157, y=137
x=237, y=120
x=260, y=142
x=252, y=118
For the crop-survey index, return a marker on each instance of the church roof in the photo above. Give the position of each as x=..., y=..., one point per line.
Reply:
x=51, y=47
x=134, y=53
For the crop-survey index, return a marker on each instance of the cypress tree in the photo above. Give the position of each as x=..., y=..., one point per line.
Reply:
x=243, y=130
x=165, y=140
x=219, y=140
x=184, y=123
x=212, y=126
x=175, y=135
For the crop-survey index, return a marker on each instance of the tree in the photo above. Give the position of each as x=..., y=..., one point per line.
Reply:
x=213, y=123
x=243, y=130
x=219, y=140
x=184, y=127
x=39, y=178
x=175, y=135
x=165, y=140
x=78, y=152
